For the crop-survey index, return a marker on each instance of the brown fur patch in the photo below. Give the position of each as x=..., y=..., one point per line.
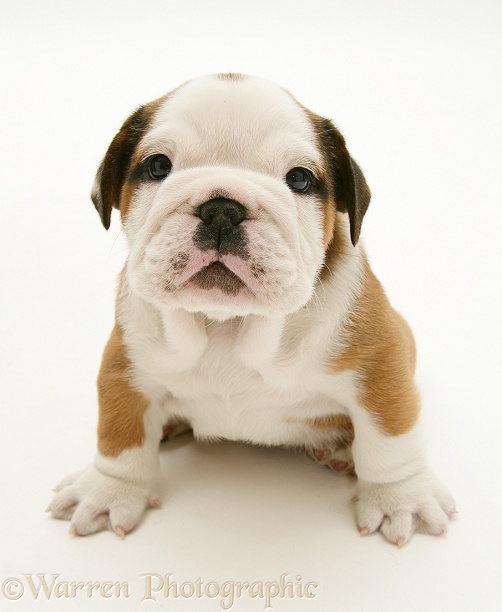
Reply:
x=338, y=247
x=330, y=421
x=381, y=348
x=339, y=423
x=115, y=167
x=126, y=196
x=346, y=186
x=121, y=406
x=129, y=186
x=328, y=202
x=329, y=223
x=127, y=189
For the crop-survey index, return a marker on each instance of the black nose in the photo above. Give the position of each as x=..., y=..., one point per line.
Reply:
x=221, y=211
x=220, y=224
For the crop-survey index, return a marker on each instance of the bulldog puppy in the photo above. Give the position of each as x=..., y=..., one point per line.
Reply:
x=247, y=309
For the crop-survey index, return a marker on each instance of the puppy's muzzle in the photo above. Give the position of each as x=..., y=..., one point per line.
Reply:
x=220, y=228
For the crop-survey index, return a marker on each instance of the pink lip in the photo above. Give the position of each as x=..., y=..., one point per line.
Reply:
x=217, y=276
x=199, y=260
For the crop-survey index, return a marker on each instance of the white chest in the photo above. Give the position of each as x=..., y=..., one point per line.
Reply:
x=224, y=397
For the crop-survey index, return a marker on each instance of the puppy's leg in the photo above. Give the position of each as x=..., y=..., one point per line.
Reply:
x=396, y=491
x=337, y=453
x=114, y=492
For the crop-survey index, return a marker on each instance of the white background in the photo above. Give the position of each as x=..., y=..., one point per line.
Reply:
x=416, y=89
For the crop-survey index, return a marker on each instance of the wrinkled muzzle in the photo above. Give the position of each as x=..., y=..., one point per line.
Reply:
x=222, y=240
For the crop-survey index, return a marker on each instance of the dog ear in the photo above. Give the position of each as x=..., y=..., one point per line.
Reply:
x=113, y=170
x=352, y=194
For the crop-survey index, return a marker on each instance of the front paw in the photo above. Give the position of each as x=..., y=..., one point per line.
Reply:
x=94, y=501
x=419, y=503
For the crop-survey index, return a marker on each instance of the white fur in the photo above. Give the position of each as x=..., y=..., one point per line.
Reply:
x=250, y=366
x=417, y=503
x=113, y=492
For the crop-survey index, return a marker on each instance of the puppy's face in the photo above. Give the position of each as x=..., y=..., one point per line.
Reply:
x=227, y=189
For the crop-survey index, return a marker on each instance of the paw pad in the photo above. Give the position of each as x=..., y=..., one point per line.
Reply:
x=337, y=459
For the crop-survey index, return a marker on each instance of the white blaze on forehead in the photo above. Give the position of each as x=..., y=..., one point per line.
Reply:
x=249, y=123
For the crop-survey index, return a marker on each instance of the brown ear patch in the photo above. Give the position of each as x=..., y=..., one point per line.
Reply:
x=381, y=349
x=113, y=170
x=121, y=406
x=346, y=184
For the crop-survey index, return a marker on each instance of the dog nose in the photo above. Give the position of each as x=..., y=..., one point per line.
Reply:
x=220, y=228
x=221, y=212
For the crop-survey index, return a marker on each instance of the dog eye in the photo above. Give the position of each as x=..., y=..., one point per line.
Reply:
x=158, y=167
x=299, y=179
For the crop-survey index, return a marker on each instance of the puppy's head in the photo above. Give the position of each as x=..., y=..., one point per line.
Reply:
x=227, y=188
